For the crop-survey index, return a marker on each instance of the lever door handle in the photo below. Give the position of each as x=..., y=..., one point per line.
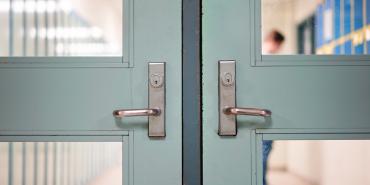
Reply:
x=156, y=102
x=247, y=111
x=136, y=112
x=228, y=109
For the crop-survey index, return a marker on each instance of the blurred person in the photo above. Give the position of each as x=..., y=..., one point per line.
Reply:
x=266, y=150
x=273, y=42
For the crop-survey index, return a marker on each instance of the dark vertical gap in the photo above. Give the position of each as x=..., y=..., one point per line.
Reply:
x=191, y=92
x=201, y=89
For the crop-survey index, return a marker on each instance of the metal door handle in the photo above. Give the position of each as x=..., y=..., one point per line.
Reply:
x=156, y=102
x=136, y=112
x=228, y=109
x=247, y=111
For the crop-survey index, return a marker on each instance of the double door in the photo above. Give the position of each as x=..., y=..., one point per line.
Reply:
x=96, y=98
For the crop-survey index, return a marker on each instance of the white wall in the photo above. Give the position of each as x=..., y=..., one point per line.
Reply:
x=345, y=163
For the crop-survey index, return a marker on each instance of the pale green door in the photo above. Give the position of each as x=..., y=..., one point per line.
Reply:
x=65, y=67
x=316, y=83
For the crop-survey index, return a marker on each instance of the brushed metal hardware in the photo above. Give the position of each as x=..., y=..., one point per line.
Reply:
x=228, y=111
x=247, y=111
x=226, y=95
x=136, y=112
x=156, y=103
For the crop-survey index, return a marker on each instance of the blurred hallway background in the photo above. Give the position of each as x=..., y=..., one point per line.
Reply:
x=319, y=163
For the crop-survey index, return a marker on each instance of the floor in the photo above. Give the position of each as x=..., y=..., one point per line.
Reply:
x=285, y=178
x=110, y=177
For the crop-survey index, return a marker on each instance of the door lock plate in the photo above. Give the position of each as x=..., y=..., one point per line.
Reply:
x=157, y=87
x=226, y=89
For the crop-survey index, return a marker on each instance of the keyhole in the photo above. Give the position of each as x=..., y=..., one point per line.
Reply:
x=227, y=79
x=156, y=80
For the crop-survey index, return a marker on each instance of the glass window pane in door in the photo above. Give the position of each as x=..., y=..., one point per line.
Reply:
x=317, y=162
x=315, y=27
x=61, y=28
x=61, y=163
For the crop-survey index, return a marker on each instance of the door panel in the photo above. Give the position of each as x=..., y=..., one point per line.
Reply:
x=306, y=94
x=308, y=97
x=76, y=96
x=63, y=99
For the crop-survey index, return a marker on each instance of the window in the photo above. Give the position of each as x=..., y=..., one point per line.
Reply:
x=42, y=28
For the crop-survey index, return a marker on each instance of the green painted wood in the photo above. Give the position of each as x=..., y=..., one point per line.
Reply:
x=316, y=96
x=70, y=98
